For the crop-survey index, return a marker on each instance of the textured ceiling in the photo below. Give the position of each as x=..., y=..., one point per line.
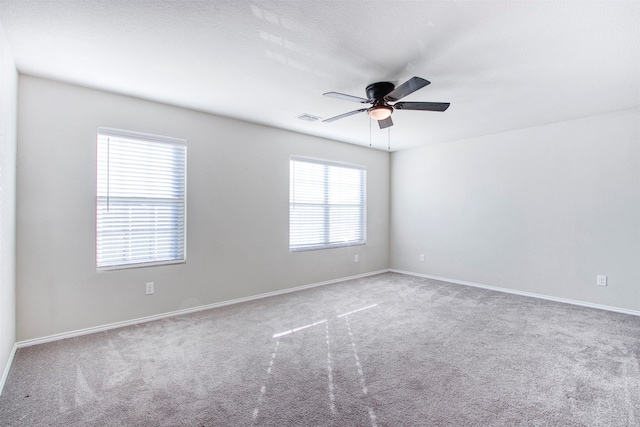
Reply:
x=502, y=65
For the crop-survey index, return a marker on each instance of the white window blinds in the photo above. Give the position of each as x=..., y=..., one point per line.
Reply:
x=141, y=192
x=327, y=204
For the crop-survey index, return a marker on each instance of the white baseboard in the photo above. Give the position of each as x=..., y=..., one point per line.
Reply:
x=522, y=293
x=116, y=325
x=5, y=373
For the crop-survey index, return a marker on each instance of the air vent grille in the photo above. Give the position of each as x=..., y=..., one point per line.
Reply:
x=308, y=117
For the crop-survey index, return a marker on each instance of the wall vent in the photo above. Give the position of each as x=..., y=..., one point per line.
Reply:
x=308, y=117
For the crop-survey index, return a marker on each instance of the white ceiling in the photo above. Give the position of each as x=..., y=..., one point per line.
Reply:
x=503, y=65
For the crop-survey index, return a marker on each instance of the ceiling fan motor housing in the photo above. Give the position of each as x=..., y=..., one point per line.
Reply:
x=377, y=91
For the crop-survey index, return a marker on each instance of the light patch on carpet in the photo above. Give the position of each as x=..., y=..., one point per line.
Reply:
x=360, y=309
x=263, y=389
x=631, y=418
x=363, y=383
x=332, y=397
x=84, y=393
x=300, y=328
x=117, y=366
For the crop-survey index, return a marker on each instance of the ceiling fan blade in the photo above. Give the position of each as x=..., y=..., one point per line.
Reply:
x=406, y=88
x=385, y=123
x=422, y=106
x=346, y=97
x=342, y=116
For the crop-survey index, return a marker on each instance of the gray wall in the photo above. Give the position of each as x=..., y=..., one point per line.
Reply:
x=238, y=189
x=541, y=210
x=8, y=110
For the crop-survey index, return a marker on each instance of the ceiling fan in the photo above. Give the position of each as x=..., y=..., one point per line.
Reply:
x=381, y=94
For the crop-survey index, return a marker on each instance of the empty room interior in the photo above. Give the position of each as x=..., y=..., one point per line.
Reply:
x=287, y=213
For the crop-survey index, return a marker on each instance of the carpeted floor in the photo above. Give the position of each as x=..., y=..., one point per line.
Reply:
x=388, y=350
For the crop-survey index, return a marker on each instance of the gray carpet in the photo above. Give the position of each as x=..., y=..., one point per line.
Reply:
x=388, y=350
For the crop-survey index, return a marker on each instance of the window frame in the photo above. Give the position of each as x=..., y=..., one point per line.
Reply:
x=327, y=244
x=145, y=138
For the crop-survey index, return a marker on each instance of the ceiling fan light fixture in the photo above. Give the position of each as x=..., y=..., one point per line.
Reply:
x=380, y=112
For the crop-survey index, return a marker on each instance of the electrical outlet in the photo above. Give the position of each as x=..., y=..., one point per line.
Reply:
x=357, y=259
x=421, y=257
x=601, y=280
x=150, y=286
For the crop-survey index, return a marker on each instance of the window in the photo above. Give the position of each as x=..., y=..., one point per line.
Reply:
x=327, y=205
x=140, y=215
